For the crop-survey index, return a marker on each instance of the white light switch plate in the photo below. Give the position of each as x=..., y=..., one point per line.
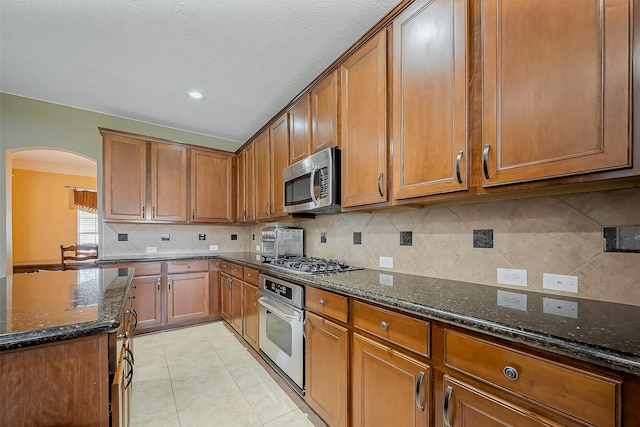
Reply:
x=386, y=262
x=151, y=249
x=512, y=276
x=386, y=279
x=213, y=247
x=559, y=282
x=512, y=300
x=257, y=248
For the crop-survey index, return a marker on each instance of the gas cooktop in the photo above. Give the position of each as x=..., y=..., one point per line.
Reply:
x=311, y=265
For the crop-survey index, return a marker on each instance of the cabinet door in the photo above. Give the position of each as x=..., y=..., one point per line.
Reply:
x=236, y=305
x=556, y=88
x=250, y=184
x=212, y=189
x=363, y=80
x=125, y=183
x=430, y=152
x=324, y=114
x=250, y=314
x=214, y=288
x=279, y=160
x=240, y=186
x=148, y=301
x=168, y=182
x=225, y=297
x=388, y=386
x=299, y=130
x=467, y=406
x=188, y=296
x=262, y=175
x=326, y=369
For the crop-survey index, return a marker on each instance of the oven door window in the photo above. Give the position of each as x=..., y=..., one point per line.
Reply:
x=279, y=332
x=296, y=191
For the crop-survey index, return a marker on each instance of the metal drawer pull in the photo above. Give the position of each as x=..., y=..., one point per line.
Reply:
x=510, y=372
x=447, y=398
x=485, y=161
x=255, y=298
x=129, y=375
x=134, y=313
x=321, y=302
x=158, y=281
x=169, y=284
x=418, y=387
x=304, y=328
x=128, y=350
x=384, y=325
x=125, y=335
x=153, y=212
x=458, y=160
x=380, y=184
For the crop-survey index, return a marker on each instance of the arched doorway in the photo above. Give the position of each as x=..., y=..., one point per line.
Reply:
x=43, y=213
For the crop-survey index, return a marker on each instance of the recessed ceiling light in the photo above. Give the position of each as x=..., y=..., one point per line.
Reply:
x=196, y=96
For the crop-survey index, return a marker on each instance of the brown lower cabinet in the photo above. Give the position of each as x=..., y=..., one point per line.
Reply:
x=250, y=309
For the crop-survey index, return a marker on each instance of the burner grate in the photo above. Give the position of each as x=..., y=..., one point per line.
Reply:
x=311, y=265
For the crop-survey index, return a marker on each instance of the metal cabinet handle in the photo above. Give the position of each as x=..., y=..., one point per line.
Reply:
x=129, y=375
x=130, y=353
x=458, y=160
x=447, y=398
x=418, y=387
x=510, y=372
x=158, y=281
x=169, y=281
x=193, y=214
x=321, y=302
x=125, y=335
x=132, y=297
x=153, y=212
x=380, y=184
x=255, y=298
x=384, y=325
x=266, y=208
x=485, y=161
x=304, y=328
x=143, y=215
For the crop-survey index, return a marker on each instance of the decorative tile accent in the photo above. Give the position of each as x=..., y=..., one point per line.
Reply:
x=406, y=238
x=621, y=239
x=323, y=237
x=483, y=238
x=357, y=237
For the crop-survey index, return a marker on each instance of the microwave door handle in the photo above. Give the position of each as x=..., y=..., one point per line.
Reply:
x=312, y=177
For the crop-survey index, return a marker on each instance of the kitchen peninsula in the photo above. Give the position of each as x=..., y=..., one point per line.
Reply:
x=59, y=348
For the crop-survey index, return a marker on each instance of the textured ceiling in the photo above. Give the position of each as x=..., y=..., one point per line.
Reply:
x=138, y=58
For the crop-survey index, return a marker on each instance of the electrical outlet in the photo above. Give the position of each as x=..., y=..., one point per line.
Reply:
x=386, y=262
x=512, y=300
x=151, y=249
x=165, y=237
x=560, y=307
x=213, y=247
x=258, y=257
x=559, y=282
x=257, y=248
x=512, y=276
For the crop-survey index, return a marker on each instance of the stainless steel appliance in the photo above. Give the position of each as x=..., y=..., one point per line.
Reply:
x=281, y=333
x=311, y=265
x=313, y=183
x=280, y=240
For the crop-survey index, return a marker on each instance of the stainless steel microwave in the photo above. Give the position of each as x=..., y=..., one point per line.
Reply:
x=313, y=184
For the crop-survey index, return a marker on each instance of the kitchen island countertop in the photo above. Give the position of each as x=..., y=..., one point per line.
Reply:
x=603, y=333
x=38, y=308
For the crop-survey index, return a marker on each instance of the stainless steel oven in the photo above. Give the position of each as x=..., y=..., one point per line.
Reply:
x=281, y=334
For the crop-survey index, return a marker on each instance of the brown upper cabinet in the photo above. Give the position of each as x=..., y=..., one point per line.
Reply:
x=363, y=80
x=212, y=187
x=324, y=113
x=556, y=89
x=429, y=99
x=279, y=135
x=144, y=181
x=262, y=153
x=246, y=185
x=299, y=135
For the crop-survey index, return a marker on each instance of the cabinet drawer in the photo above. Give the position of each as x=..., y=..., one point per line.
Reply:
x=142, y=269
x=327, y=303
x=225, y=266
x=251, y=276
x=407, y=332
x=590, y=397
x=237, y=271
x=187, y=266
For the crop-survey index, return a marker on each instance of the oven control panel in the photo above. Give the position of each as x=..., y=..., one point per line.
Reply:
x=278, y=289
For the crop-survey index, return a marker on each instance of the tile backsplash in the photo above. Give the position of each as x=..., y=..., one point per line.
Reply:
x=559, y=235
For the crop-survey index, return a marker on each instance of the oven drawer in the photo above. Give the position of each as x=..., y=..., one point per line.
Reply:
x=327, y=303
x=407, y=332
x=587, y=396
x=174, y=267
x=251, y=276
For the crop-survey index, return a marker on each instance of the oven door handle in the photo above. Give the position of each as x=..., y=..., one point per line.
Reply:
x=263, y=302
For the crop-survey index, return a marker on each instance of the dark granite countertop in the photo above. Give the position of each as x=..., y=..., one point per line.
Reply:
x=606, y=334
x=37, y=308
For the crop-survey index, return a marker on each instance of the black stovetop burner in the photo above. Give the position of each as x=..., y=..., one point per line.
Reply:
x=311, y=265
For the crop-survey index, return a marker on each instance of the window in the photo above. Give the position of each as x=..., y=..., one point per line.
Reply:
x=87, y=227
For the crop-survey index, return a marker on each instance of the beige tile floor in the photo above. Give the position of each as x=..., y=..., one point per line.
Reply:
x=206, y=376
